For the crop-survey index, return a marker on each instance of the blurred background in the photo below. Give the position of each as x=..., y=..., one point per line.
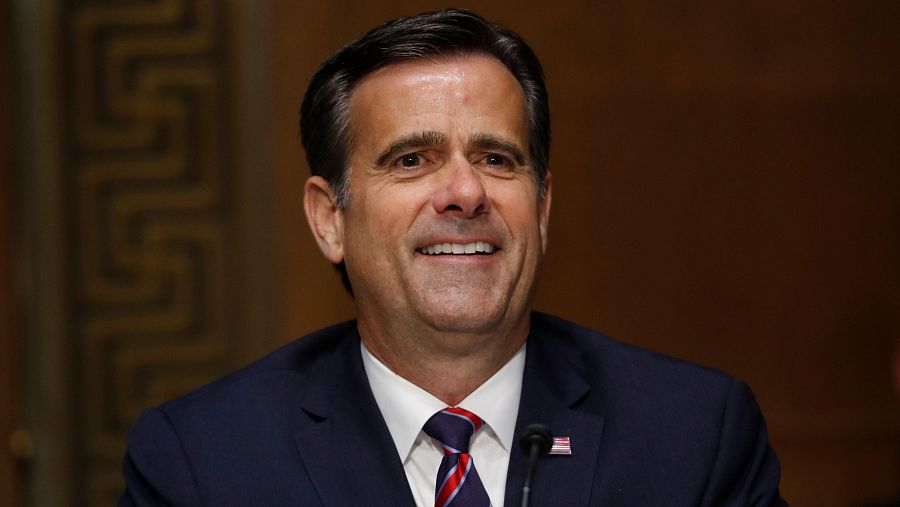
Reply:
x=726, y=190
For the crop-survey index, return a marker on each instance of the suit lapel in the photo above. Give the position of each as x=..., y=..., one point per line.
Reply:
x=344, y=442
x=551, y=389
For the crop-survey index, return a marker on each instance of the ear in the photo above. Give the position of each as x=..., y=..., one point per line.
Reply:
x=544, y=209
x=326, y=219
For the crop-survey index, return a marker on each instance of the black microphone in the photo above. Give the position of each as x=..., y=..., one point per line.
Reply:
x=536, y=440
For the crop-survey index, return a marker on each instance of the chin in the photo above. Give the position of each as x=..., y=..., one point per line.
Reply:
x=472, y=317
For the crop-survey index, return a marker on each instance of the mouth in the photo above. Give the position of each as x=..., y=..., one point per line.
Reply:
x=473, y=248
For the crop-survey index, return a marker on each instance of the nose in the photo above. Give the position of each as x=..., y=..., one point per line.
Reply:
x=462, y=192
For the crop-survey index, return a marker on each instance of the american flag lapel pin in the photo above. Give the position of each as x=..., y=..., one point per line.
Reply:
x=561, y=446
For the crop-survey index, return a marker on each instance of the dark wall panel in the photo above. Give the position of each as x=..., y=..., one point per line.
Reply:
x=139, y=226
x=10, y=372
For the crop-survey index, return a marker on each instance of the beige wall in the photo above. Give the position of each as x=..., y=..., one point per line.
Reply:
x=726, y=190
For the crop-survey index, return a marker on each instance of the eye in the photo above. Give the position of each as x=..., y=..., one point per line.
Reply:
x=410, y=160
x=496, y=161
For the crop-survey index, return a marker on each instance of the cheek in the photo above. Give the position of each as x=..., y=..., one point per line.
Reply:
x=387, y=216
x=518, y=206
x=396, y=205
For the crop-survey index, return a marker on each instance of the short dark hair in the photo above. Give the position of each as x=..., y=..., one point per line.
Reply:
x=325, y=113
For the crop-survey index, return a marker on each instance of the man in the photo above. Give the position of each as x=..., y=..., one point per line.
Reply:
x=428, y=140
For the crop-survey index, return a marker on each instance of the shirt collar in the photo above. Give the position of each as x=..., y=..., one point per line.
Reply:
x=406, y=407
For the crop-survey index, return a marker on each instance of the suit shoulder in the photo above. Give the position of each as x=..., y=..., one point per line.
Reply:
x=622, y=366
x=280, y=371
x=692, y=432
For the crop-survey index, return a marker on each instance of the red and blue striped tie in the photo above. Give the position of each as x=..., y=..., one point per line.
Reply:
x=458, y=483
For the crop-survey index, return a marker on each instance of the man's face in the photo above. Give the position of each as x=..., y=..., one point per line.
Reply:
x=445, y=227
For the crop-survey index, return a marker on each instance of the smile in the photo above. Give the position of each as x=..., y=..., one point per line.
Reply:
x=476, y=247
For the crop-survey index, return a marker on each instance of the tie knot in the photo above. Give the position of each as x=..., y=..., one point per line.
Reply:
x=453, y=427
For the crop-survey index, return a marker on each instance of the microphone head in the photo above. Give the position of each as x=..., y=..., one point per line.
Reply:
x=536, y=435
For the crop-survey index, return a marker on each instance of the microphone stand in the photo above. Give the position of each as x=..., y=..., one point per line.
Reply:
x=536, y=440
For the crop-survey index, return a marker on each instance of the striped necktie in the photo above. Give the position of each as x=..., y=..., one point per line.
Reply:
x=458, y=484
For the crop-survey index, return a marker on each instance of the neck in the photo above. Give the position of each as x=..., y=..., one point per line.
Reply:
x=448, y=365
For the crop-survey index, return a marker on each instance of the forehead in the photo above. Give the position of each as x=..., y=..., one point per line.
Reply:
x=473, y=92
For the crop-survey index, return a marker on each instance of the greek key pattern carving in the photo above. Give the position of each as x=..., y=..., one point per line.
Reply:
x=150, y=185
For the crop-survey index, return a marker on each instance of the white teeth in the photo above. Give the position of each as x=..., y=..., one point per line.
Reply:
x=458, y=248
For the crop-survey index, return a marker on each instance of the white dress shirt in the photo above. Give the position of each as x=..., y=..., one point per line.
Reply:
x=406, y=407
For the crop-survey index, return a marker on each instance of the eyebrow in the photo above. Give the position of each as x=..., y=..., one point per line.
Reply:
x=414, y=140
x=427, y=138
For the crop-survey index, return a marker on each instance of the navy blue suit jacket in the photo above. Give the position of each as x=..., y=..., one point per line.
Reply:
x=301, y=427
